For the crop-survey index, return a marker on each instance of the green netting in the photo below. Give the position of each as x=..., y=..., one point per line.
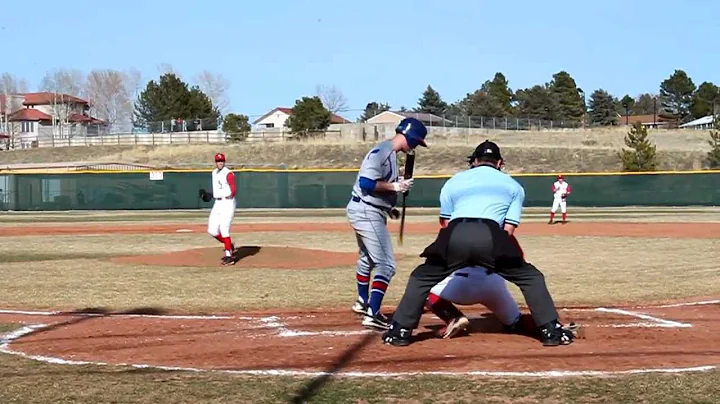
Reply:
x=126, y=191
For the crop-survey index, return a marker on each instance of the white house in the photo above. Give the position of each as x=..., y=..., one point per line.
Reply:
x=394, y=117
x=705, y=122
x=27, y=117
x=277, y=117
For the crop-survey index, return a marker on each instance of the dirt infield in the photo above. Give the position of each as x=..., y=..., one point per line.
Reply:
x=674, y=230
x=618, y=340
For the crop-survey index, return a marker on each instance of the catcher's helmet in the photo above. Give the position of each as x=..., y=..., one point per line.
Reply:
x=219, y=157
x=414, y=131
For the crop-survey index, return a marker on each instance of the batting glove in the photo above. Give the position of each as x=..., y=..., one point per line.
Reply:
x=403, y=185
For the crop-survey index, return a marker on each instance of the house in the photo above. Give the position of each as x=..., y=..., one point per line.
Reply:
x=705, y=122
x=27, y=118
x=277, y=117
x=649, y=120
x=394, y=117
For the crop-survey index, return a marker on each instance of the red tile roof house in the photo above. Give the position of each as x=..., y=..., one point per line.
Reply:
x=29, y=119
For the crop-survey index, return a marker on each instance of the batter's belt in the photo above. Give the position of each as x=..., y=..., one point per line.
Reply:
x=358, y=199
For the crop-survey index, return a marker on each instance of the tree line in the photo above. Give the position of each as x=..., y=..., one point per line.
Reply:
x=560, y=99
x=119, y=98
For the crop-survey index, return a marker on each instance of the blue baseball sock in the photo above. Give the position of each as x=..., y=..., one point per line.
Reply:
x=379, y=286
x=363, y=286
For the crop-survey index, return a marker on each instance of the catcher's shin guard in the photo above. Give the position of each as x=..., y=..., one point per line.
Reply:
x=443, y=309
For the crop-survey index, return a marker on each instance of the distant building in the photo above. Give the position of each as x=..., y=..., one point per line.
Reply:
x=649, y=120
x=395, y=117
x=705, y=122
x=26, y=118
x=277, y=117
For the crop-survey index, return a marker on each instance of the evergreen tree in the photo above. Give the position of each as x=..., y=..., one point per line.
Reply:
x=372, y=109
x=170, y=98
x=642, y=153
x=705, y=100
x=431, y=102
x=493, y=99
x=714, y=153
x=236, y=126
x=570, y=104
x=602, y=108
x=645, y=104
x=676, y=94
x=628, y=101
x=536, y=102
x=309, y=115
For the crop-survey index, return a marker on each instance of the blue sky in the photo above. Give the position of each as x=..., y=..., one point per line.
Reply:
x=277, y=51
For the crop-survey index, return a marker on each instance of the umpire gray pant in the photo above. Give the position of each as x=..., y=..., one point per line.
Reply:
x=470, y=242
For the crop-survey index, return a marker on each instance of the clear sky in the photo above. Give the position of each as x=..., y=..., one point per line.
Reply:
x=277, y=51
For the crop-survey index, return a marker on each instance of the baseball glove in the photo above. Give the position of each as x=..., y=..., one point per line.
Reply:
x=205, y=195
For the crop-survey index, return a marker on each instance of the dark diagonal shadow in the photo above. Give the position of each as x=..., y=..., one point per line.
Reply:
x=245, y=251
x=314, y=386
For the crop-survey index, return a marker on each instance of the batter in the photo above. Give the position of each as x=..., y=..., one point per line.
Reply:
x=374, y=196
x=561, y=190
x=223, y=210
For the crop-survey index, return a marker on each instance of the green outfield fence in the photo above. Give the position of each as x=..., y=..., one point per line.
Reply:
x=102, y=190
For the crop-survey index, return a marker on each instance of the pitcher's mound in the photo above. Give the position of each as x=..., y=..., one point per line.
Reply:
x=248, y=257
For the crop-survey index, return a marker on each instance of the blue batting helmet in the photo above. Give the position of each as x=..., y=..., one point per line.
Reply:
x=414, y=131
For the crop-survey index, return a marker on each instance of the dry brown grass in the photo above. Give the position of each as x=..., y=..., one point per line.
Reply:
x=567, y=151
x=579, y=270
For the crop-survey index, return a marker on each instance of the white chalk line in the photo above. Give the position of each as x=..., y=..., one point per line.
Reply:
x=7, y=339
x=660, y=322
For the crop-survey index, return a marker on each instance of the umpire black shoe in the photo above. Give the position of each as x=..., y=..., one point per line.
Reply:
x=554, y=334
x=397, y=336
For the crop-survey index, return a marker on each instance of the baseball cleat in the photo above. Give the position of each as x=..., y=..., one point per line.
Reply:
x=456, y=326
x=377, y=321
x=227, y=261
x=397, y=336
x=555, y=334
x=359, y=307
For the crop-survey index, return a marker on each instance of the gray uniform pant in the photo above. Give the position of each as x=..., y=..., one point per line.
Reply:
x=373, y=238
x=469, y=242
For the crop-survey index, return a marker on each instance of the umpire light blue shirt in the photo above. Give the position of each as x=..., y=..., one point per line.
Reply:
x=482, y=193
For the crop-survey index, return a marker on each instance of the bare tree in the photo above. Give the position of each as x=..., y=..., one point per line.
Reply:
x=110, y=95
x=332, y=98
x=11, y=84
x=216, y=87
x=66, y=81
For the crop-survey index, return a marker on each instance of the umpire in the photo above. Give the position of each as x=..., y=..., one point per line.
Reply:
x=483, y=206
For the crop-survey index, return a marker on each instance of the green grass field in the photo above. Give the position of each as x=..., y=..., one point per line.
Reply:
x=74, y=272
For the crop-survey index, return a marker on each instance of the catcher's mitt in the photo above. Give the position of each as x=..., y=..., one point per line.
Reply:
x=205, y=195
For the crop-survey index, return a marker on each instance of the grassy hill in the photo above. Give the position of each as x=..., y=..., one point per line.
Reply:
x=545, y=151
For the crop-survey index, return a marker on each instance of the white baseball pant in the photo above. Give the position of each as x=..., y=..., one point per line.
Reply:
x=559, y=202
x=473, y=285
x=221, y=217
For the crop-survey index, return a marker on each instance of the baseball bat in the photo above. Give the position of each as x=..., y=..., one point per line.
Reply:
x=409, y=166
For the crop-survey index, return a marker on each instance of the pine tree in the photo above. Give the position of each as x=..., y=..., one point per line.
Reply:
x=309, y=115
x=570, y=104
x=372, y=109
x=431, y=102
x=642, y=154
x=714, y=153
x=602, y=108
x=236, y=126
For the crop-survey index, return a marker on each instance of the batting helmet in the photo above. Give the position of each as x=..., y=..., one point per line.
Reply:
x=219, y=157
x=414, y=131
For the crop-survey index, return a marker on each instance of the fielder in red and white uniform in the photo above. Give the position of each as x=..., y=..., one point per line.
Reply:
x=223, y=210
x=561, y=190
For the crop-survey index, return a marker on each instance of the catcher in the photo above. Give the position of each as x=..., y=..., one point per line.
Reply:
x=561, y=190
x=223, y=210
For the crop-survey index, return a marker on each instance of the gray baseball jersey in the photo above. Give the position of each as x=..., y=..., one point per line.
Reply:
x=380, y=164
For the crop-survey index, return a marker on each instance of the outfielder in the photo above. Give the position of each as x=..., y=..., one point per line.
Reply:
x=374, y=197
x=223, y=210
x=561, y=190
